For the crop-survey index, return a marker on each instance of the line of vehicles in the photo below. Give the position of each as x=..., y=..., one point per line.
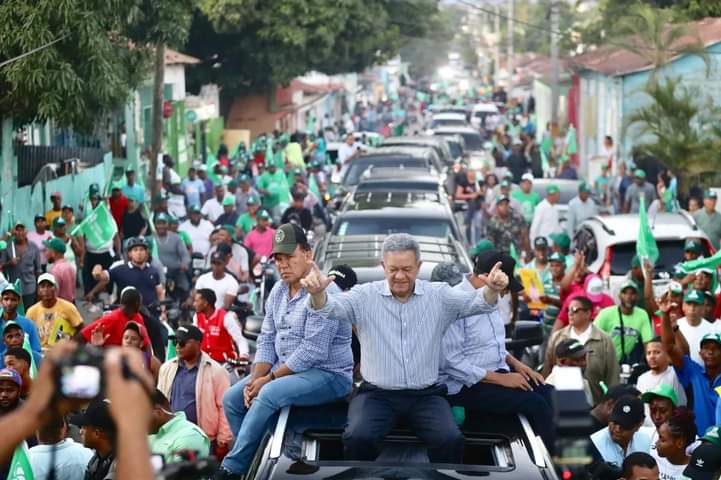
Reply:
x=404, y=186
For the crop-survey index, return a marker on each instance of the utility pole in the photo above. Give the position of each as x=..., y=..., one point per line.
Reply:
x=510, y=48
x=497, y=53
x=555, y=67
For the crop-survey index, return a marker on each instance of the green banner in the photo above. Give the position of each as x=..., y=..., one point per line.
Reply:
x=98, y=228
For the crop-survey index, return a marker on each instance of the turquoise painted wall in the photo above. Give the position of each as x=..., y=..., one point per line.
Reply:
x=692, y=71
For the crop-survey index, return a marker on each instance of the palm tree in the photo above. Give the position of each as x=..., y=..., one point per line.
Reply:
x=650, y=33
x=679, y=128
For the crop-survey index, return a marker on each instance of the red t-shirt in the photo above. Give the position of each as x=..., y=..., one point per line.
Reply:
x=118, y=206
x=114, y=325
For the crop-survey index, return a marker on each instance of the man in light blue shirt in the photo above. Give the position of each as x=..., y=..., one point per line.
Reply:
x=71, y=459
x=400, y=322
x=132, y=189
x=301, y=358
x=475, y=363
x=193, y=188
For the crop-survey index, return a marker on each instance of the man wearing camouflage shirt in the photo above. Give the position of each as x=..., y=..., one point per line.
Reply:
x=507, y=228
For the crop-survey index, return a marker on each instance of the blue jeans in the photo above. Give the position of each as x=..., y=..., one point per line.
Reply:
x=312, y=387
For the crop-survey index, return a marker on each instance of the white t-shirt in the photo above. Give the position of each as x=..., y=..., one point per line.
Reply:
x=649, y=380
x=212, y=209
x=345, y=151
x=694, y=334
x=584, y=336
x=666, y=469
x=225, y=286
x=504, y=308
x=199, y=234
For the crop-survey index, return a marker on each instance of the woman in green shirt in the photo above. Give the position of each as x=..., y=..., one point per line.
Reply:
x=247, y=221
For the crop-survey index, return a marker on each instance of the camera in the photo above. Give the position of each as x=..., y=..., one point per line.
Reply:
x=80, y=376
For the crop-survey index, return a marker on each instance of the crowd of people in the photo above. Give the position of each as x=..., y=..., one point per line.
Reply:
x=649, y=365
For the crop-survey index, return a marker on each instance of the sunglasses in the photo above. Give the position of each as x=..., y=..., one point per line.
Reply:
x=573, y=310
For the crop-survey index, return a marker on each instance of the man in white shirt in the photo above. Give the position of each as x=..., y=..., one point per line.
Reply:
x=349, y=150
x=219, y=281
x=213, y=207
x=693, y=326
x=70, y=458
x=198, y=229
x=545, y=218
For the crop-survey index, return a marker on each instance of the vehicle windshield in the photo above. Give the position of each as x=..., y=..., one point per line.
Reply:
x=670, y=252
x=357, y=167
x=455, y=148
x=473, y=141
x=386, y=225
x=449, y=122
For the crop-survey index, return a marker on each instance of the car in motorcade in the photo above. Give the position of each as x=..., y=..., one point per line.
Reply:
x=485, y=116
x=411, y=180
x=459, y=109
x=609, y=243
x=478, y=157
x=440, y=145
x=448, y=119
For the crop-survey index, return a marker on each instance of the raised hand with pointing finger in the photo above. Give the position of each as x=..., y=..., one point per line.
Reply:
x=496, y=280
x=315, y=284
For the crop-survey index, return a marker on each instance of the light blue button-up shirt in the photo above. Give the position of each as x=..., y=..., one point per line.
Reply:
x=612, y=453
x=301, y=338
x=401, y=342
x=472, y=347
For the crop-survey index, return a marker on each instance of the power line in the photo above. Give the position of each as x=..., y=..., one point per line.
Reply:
x=558, y=32
x=34, y=50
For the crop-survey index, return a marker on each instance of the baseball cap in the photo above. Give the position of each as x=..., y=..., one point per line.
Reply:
x=694, y=296
x=710, y=194
x=48, y=277
x=505, y=184
x=233, y=183
x=38, y=217
x=661, y=390
x=286, y=238
x=678, y=271
x=97, y=414
x=628, y=284
x=345, y=276
x=713, y=337
x=252, y=200
x=561, y=239
x=59, y=222
x=263, y=215
x=188, y=332
x=447, y=272
x=639, y=173
x=692, y=246
x=11, y=375
x=218, y=256
x=161, y=218
x=594, y=287
x=244, y=178
x=551, y=189
x=704, y=464
x=67, y=206
x=675, y=288
x=713, y=435
x=56, y=195
x=627, y=412
x=55, y=244
x=486, y=260
x=540, y=242
x=480, y=247
x=557, y=257
x=94, y=190
x=11, y=324
x=584, y=187
x=173, y=220
x=527, y=176
x=10, y=287
x=298, y=171
x=570, y=348
x=194, y=209
x=502, y=198
x=228, y=200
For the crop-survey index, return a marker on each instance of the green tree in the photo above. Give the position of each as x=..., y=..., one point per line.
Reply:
x=679, y=127
x=426, y=54
x=254, y=45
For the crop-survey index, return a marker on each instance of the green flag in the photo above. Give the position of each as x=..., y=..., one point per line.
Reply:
x=571, y=146
x=20, y=468
x=19, y=287
x=710, y=262
x=545, y=166
x=99, y=227
x=646, y=248
x=28, y=348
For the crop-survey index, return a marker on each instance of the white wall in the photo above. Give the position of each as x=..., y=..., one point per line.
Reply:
x=175, y=74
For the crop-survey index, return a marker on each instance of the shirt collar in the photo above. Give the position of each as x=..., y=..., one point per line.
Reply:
x=131, y=266
x=170, y=424
x=418, y=289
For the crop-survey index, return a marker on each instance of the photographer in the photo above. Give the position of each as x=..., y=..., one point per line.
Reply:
x=129, y=407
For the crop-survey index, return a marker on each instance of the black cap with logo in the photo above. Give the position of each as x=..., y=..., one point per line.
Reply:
x=627, y=412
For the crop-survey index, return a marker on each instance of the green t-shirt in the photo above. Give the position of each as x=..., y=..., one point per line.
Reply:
x=528, y=203
x=552, y=311
x=277, y=184
x=179, y=434
x=637, y=326
x=246, y=222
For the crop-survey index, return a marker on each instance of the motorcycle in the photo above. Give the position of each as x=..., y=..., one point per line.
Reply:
x=264, y=277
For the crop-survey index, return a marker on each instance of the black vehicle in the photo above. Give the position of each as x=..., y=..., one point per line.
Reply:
x=307, y=443
x=363, y=254
x=399, y=158
x=440, y=146
x=391, y=182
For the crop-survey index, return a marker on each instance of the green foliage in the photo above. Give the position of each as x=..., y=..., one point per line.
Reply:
x=104, y=53
x=426, y=54
x=252, y=45
x=680, y=126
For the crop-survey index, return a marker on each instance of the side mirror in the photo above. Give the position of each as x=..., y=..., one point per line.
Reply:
x=252, y=327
